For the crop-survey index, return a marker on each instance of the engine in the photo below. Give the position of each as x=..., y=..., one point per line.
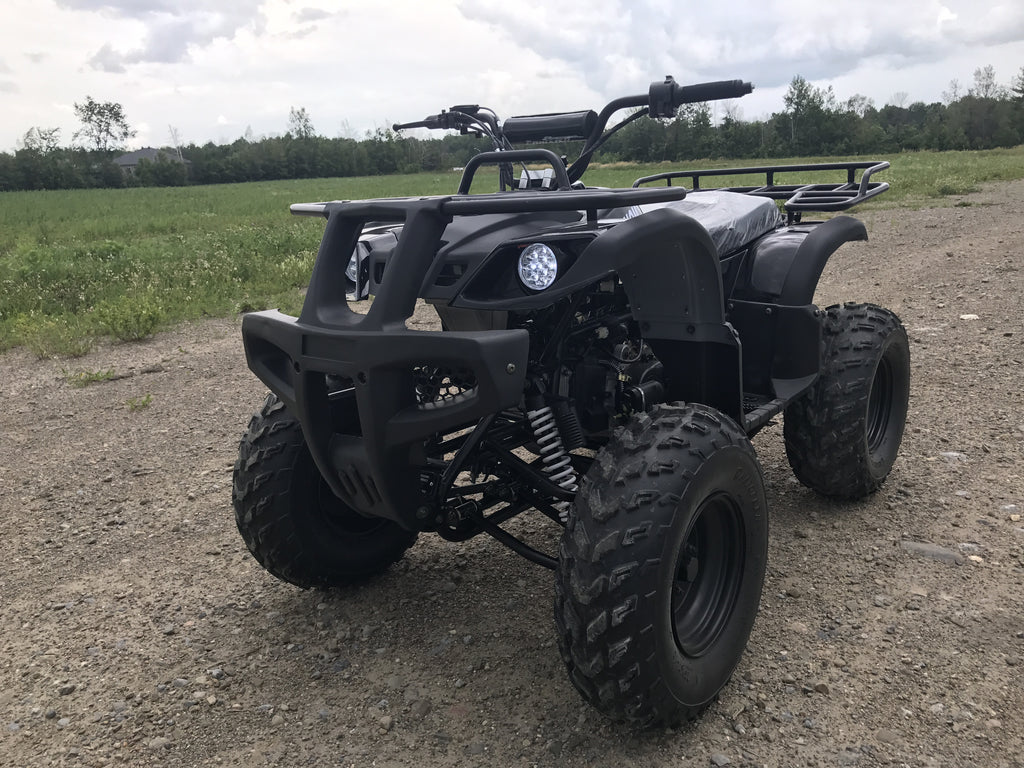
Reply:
x=592, y=359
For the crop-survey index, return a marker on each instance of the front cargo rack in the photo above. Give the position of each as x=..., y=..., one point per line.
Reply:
x=832, y=196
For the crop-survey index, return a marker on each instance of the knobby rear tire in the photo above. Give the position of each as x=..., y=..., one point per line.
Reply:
x=843, y=435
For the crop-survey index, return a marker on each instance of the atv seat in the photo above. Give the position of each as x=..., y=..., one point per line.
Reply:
x=732, y=219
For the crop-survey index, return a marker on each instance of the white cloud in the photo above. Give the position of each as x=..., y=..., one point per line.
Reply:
x=769, y=41
x=945, y=15
x=170, y=35
x=357, y=65
x=107, y=59
x=311, y=14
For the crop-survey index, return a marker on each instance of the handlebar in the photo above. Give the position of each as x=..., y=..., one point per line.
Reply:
x=662, y=100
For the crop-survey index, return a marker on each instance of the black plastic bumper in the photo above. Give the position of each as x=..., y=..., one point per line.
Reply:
x=371, y=453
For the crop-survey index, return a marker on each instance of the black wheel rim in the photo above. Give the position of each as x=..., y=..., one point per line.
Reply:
x=879, y=406
x=312, y=491
x=708, y=574
x=343, y=518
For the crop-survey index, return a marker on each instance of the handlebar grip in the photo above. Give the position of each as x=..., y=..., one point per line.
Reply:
x=666, y=96
x=722, y=89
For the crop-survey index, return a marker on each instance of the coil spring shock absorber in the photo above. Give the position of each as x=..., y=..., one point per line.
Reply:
x=556, y=460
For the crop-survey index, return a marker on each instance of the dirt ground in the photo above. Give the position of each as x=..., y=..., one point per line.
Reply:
x=135, y=628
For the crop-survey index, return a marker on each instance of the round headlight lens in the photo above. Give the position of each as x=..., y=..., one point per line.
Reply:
x=538, y=267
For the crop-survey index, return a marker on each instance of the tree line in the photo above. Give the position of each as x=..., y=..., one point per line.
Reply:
x=814, y=121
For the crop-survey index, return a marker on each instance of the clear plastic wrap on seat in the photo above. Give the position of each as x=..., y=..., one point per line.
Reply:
x=731, y=218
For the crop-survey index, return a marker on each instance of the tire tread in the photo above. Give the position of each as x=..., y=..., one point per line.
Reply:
x=603, y=592
x=266, y=514
x=824, y=428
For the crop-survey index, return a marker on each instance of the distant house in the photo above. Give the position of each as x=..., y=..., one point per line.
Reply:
x=129, y=162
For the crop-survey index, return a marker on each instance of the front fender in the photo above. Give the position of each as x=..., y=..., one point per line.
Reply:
x=669, y=268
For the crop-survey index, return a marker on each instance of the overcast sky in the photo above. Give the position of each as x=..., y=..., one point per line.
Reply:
x=212, y=68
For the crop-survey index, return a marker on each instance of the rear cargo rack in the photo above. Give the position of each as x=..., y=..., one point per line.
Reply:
x=832, y=196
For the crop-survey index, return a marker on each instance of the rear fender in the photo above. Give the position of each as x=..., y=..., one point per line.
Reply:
x=772, y=306
x=785, y=266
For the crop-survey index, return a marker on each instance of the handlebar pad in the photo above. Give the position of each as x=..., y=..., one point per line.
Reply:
x=559, y=125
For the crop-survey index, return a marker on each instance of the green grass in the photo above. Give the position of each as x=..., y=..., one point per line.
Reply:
x=79, y=265
x=139, y=403
x=85, y=378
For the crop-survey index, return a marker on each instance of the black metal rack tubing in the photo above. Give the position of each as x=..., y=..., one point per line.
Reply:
x=798, y=197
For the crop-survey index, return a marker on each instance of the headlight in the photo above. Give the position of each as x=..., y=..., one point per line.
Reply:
x=355, y=273
x=538, y=267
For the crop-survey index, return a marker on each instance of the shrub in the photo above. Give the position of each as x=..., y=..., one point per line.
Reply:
x=51, y=336
x=130, y=318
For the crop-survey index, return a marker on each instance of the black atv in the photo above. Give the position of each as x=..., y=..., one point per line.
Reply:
x=605, y=357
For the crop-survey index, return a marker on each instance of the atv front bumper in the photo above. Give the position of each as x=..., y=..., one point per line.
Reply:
x=354, y=393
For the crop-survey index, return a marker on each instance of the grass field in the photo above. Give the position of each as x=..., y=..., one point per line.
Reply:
x=78, y=265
